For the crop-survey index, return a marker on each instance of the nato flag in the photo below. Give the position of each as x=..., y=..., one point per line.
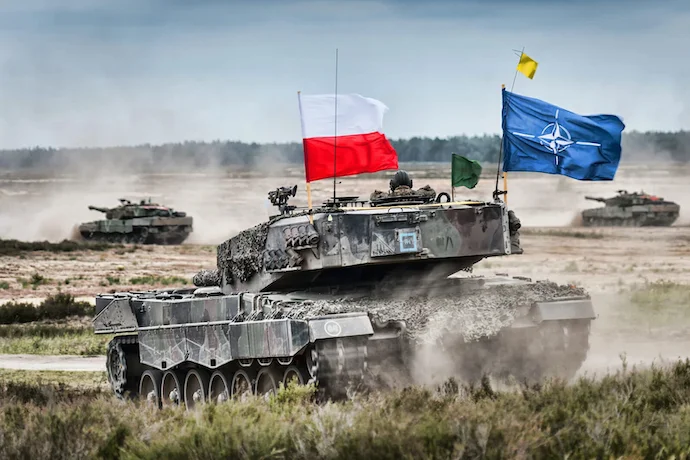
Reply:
x=541, y=137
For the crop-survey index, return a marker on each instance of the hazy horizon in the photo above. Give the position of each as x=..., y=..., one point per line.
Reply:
x=91, y=73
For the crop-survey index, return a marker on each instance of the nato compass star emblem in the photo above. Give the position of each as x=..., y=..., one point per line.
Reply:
x=556, y=138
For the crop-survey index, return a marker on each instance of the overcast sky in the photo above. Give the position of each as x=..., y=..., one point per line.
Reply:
x=96, y=72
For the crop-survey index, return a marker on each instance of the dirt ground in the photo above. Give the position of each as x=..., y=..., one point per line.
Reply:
x=608, y=262
x=86, y=273
x=603, y=260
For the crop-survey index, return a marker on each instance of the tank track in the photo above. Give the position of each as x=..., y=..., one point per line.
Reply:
x=634, y=222
x=122, y=238
x=122, y=364
x=596, y=222
x=137, y=237
x=338, y=367
x=555, y=349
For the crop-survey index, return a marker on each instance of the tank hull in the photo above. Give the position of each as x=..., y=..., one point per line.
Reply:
x=139, y=230
x=221, y=342
x=663, y=215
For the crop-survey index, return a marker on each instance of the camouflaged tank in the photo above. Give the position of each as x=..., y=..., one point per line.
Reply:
x=356, y=294
x=631, y=210
x=142, y=223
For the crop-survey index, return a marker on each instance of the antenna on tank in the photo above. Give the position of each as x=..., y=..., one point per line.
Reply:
x=335, y=134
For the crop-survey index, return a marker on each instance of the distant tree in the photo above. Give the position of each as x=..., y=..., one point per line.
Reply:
x=637, y=146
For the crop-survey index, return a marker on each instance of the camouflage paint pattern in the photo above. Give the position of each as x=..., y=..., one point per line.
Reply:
x=289, y=249
x=212, y=331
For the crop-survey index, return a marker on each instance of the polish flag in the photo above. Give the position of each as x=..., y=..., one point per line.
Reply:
x=355, y=139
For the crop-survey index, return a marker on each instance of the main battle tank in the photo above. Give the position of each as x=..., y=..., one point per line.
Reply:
x=631, y=210
x=356, y=293
x=143, y=223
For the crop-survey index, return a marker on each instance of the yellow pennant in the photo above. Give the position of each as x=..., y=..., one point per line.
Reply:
x=527, y=66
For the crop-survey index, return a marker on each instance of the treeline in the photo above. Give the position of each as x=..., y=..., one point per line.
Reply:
x=637, y=146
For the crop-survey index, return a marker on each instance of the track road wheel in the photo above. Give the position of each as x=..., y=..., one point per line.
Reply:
x=195, y=388
x=171, y=389
x=568, y=358
x=563, y=347
x=293, y=374
x=116, y=365
x=266, y=383
x=218, y=388
x=150, y=388
x=241, y=386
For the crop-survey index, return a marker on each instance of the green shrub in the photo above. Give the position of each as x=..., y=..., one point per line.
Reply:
x=15, y=247
x=58, y=306
x=112, y=280
x=157, y=279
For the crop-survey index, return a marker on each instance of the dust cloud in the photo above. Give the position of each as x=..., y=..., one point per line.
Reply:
x=625, y=335
x=620, y=338
x=222, y=201
x=226, y=199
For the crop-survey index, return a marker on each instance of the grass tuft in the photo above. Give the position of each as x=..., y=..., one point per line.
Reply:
x=661, y=302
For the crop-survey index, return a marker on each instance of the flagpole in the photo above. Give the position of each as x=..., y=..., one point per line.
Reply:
x=505, y=174
x=308, y=187
x=335, y=134
x=311, y=216
x=505, y=187
x=516, y=70
x=500, y=154
x=500, y=149
x=452, y=178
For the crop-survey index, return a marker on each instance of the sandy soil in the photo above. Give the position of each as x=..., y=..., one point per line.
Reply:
x=607, y=262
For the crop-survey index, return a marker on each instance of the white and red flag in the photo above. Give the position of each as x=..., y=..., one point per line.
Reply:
x=353, y=139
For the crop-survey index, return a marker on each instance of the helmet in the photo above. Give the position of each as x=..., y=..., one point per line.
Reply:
x=401, y=178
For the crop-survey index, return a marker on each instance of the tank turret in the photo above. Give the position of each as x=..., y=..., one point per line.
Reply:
x=143, y=223
x=347, y=295
x=631, y=210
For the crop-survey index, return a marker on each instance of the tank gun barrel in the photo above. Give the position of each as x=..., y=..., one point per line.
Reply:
x=96, y=208
x=595, y=198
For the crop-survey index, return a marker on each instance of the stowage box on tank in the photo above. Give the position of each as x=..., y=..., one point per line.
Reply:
x=351, y=294
x=143, y=223
x=631, y=210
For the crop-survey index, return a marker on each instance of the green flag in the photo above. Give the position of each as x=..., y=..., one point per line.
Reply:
x=464, y=172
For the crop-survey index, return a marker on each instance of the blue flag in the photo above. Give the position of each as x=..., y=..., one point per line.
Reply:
x=541, y=137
